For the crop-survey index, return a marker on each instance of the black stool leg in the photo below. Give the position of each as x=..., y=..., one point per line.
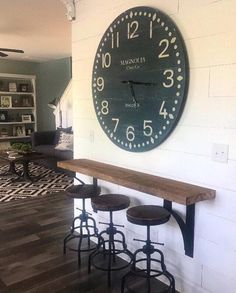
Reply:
x=110, y=250
x=165, y=272
x=83, y=218
x=84, y=224
x=70, y=236
x=148, y=258
x=148, y=249
x=101, y=242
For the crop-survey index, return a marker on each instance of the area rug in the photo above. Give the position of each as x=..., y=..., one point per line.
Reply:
x=50, y=182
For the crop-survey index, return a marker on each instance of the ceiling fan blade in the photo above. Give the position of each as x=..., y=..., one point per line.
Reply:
x=11, y=50
x=3, y=54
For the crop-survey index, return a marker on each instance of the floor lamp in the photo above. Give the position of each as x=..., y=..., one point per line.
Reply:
x=53, y=105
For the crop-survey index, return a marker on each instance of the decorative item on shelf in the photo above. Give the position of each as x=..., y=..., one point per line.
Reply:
x=3, y=116
x=26, y=118
x=29, y=131
x=13, y=154
x=4, y=132
x=16, y=101
x=12, y=87
x=2, y=86
x=18, y=118
x=11, y=117
x=24, y=87
x=53, y=105
x=6, y=102
x=27, y=101
x=4, y=145
x=18, y=130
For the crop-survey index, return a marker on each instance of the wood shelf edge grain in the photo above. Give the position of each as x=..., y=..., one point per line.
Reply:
x=168, y=189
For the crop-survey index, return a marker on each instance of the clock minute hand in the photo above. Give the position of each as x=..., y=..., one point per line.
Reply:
x=138, y=82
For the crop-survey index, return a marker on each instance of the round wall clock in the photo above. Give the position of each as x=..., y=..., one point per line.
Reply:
x=140, y=79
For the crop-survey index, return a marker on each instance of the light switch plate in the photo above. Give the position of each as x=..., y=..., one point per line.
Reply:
x=220, y=152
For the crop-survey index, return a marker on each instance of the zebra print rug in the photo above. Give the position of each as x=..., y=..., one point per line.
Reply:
x=50, y=182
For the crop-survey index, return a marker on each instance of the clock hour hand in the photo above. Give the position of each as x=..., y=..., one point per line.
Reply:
x=133, y=94
x=130, y=83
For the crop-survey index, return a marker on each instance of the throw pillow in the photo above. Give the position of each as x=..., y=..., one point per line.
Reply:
x=67, y=129
x=58, y=132
x=65, y=142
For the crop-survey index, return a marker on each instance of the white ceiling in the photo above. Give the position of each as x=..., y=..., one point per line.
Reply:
x=39, y=27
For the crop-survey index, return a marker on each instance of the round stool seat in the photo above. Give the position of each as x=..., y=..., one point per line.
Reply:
x=110, y=202
x=148, y=215
x=83, y=191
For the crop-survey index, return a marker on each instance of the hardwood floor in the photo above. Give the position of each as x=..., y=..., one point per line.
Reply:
x=31, y=255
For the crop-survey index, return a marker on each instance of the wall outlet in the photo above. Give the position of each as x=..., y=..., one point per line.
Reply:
x=220, y=152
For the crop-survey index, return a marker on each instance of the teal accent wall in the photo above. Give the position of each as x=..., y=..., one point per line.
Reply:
x=52, y=78
x=18, y=67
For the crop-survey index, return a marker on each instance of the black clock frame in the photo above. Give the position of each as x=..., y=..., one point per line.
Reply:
x=139, y=75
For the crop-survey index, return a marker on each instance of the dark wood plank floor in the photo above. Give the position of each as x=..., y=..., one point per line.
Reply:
x=31, y=255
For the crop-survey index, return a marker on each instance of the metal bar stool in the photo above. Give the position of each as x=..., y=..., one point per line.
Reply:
x=104, y=257
x=148, y=215
x=87, y=225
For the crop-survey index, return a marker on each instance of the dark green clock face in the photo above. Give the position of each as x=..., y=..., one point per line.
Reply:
x=140, y=79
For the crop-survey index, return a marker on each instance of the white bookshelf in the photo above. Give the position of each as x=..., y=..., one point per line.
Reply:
x=18, y=116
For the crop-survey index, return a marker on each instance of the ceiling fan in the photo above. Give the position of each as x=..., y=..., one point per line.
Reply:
x=9, y=50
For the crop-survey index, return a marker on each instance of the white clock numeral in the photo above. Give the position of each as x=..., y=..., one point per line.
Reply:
x=150, y=31
x=116, y=123
x=169, y=73
x=100, y=84
x=147, y=129
x=115, y=40
x=105, y=109
x=163, y=111
x=106, y=60
x=165, y=43
x=132, y=29
x=130, y=133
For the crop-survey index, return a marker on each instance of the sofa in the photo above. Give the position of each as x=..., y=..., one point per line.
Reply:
x=51, y=144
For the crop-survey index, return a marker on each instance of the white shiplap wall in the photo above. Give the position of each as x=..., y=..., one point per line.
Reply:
x=208, y=27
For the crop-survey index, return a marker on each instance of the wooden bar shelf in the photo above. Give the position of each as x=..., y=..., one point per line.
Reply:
x=168, y=189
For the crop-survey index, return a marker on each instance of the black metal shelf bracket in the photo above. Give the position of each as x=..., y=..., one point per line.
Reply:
x=95, y=182
x=186, y=227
